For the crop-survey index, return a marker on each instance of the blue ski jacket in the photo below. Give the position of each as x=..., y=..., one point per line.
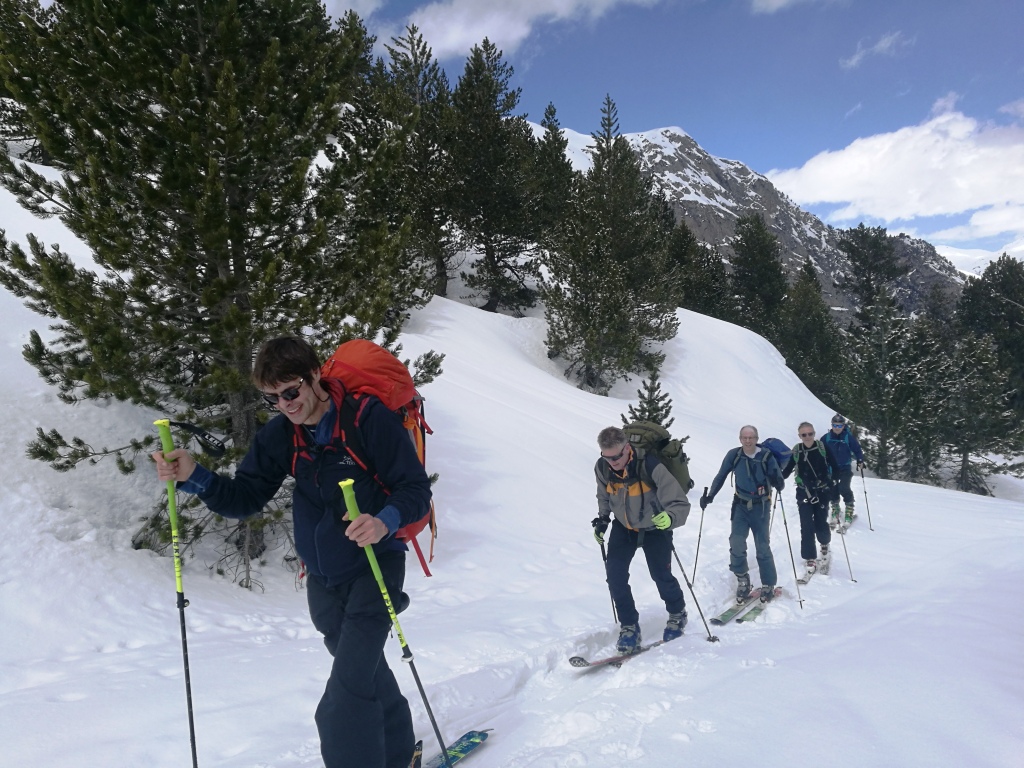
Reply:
x=844, y=447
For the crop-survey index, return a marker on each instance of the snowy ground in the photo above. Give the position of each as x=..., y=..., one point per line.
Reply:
x=917, y=662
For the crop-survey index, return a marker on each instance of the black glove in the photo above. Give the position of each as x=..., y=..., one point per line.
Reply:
x=780, y=485
x=860, y=466
x=600, y=526
x=704, y=501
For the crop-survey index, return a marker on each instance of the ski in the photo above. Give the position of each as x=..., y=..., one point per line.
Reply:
x=758, y=609
x=806, y=577
x=735, y=610
x=617, y=660
x=460, y=748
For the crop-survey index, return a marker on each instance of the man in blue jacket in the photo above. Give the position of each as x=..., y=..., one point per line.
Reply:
x=363, y=718
x=755, y=473
x=843, y=446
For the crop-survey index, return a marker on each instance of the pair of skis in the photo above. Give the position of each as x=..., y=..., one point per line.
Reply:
x=457, y=750
x=748, y=610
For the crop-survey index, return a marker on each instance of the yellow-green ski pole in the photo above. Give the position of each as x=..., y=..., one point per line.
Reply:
x=164, y=428
x=353, y=512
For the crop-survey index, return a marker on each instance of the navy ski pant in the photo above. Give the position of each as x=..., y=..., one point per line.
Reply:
x=843, y=488
x=657, y=546
x=813, y=520
x=756, y=519
x=363, y=719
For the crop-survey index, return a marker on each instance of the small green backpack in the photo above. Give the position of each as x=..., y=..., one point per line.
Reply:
x=657, y=441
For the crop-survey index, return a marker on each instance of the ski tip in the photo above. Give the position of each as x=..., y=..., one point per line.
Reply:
x=579, y=661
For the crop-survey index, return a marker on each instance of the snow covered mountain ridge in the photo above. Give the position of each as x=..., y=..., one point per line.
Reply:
x=710, y=193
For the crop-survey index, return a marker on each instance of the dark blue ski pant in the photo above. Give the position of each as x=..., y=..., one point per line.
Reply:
x=657, y=546
x=363, y=719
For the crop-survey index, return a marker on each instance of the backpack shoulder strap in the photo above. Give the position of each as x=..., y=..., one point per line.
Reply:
x=647, y=467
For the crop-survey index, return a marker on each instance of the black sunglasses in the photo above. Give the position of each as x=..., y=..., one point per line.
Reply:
x=806, y=434
x=289, y=394
x=617, y=456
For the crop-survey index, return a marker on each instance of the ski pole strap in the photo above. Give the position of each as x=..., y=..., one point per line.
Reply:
x=353, y=512
x=212, y=446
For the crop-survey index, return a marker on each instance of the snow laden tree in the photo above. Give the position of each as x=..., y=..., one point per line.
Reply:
x=221, y=169
x=810, y=339
x=879, y=400
x=758, y=279
x=977, y=422
x=653, y=404
x=491, y=152
x=610, y=290
x=922, y=386
x=874, y=267
x=993, y=305
x=414, y=90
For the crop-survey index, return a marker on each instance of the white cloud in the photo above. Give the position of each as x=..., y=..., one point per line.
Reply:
x=887, y=45
x=1015, y=108
x=365, y=8
x=950, y=164
x=771, y=6
x=452, y=27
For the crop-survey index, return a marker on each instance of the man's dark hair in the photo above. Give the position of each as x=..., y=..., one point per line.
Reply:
x=284, y=359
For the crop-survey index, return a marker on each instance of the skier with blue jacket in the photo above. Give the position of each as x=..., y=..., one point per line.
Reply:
x=755, y=472
x=843, y=445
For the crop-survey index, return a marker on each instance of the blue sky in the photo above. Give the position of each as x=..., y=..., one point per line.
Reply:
x=906, y=114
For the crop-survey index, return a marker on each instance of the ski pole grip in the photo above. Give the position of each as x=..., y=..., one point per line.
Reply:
x=163, y=426
x=348, y=491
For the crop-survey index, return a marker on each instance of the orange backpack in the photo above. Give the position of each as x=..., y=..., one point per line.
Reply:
x=366, y=368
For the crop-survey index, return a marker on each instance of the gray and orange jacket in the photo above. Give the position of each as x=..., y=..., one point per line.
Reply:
x=643, y=489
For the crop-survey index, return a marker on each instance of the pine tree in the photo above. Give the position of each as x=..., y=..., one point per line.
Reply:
x=873, y=267
x=413, y=88
x=758, y=278
x=993, y=305
x=491, y=152
x=882, y=374
x=704, y=285
x=977, y=420
x=810, y=339
x=551, y=177
x=610, y=290
x=225, y=172
x=652, y=405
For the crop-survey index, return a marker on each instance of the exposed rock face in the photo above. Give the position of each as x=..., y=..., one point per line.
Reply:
x=710, y=194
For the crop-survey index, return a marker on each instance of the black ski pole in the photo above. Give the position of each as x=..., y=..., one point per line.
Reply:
x=689, y=586
x=866, y=505
x=700, y=532
x=163, y=426
x=604, y=559
x=799, y=597
x=353, y=512
x=842, y=535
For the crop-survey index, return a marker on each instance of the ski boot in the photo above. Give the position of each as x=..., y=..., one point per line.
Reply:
x=629, y=639
x=825, y=561
x=767, y=593
x=674, y=626
x=833, y=519
x=742, y=587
